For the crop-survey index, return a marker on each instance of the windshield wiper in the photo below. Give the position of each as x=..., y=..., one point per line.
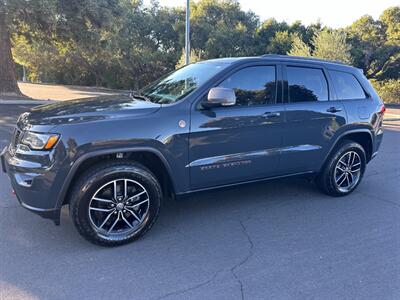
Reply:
x=136, y=95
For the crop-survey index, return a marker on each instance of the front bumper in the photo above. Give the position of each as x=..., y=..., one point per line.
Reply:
x=31, y=183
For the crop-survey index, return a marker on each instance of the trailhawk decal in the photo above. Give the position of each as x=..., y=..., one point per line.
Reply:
x=241, y=159
x=226, y=165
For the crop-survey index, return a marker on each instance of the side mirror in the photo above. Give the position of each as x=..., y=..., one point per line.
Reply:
x=219, y=96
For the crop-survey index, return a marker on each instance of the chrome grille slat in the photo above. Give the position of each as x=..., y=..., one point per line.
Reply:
x=16, y=139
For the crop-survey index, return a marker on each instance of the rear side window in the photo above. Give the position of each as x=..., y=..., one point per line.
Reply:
x=347, y=86
x=253, y=85
x=306, y=84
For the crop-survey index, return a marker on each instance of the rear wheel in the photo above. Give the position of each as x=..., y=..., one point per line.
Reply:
x=343, y=170
x=115, y=203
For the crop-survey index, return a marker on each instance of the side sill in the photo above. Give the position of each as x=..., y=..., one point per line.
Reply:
x=184, y=194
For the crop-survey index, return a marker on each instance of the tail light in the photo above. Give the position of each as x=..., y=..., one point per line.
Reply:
x=383, y=110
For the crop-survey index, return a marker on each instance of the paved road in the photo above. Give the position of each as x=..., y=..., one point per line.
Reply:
x=277, y=240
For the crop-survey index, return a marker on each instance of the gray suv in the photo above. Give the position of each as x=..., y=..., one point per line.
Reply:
x=208, y=125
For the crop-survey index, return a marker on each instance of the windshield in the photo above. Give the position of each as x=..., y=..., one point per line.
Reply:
x=181, y=83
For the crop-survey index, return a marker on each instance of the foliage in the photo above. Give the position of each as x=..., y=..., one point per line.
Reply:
x=326, y=44
x=280, y=43
x=376, y=44
x=388, y=90
x=221, y=28
x=127, y=44
x=299, y=48
x=331, y=45
x=195, y=56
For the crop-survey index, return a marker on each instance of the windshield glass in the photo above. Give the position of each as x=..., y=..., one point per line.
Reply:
x=181, y=83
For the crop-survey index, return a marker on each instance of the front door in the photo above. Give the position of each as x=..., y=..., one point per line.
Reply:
x=241, y=142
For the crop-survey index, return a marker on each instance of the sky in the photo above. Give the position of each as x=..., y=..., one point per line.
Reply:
x=332, y=13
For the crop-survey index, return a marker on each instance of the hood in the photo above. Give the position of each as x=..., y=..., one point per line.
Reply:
x=85, y=110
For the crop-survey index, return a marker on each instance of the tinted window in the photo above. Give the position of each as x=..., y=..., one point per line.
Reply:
x=347, y=86
x=253, y=85
x=181, y=83
x=307, y=84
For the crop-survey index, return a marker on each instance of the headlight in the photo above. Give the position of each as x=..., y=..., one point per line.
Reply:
x=40, y=141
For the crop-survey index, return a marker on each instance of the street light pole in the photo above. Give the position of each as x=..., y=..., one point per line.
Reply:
x=187, y=33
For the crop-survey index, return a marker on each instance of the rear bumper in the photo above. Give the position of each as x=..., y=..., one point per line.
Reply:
x=374, y=154
x=31, y=185
x=377, y=143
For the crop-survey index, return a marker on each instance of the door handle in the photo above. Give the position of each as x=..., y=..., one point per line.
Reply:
x=334, y=109
x=270, y=115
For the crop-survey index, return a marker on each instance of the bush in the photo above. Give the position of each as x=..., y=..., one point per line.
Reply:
x=388, y=90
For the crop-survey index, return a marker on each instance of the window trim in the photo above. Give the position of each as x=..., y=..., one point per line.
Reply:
x=286, y=95
x=278, y=80
x=367, y=95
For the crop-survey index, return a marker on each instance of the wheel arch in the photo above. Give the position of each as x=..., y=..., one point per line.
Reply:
x=154, y=160
x=362, y=136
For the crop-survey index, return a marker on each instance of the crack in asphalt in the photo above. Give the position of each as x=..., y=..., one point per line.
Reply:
x=232, y=271
x=175, y=293
x=243, y=261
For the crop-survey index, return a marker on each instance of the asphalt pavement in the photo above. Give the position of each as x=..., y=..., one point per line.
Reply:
x=276, y=240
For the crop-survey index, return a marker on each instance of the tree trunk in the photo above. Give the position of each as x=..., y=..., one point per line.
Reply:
x=8, y=79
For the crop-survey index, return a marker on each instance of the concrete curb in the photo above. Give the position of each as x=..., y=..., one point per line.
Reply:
x=26, y=102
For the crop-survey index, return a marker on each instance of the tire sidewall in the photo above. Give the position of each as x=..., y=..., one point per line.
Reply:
x=81, y=201
x=347, y=147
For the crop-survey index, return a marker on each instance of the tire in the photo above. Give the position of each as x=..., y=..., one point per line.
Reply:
x=337, y=172
x=109, y=197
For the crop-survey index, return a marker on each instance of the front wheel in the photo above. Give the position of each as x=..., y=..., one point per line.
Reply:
x=115, y=203
x=343, y=170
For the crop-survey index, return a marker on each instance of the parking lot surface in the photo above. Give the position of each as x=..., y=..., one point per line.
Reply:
x=276, y=240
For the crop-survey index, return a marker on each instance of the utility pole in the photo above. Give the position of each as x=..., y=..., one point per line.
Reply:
x=24, y=74
x=187, y=33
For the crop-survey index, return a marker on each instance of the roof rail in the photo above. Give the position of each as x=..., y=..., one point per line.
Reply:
x=301, y=58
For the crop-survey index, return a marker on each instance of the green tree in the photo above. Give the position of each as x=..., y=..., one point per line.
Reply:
x=149, y=43
x=366, y=36
x=390, y=19
x=269, y=28
x=326, y=44
x=280, y=43
x=127, y=44
x=74, y=24
x=299, y=48
x=195, y=56
x=30, y=18
x=387, y=59
x=331, y=45
x=221, y=28
x=277, y=37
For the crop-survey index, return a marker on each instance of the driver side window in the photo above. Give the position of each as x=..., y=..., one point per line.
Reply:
x=253, y=85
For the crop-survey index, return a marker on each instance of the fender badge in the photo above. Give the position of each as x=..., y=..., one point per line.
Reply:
x=182, y=124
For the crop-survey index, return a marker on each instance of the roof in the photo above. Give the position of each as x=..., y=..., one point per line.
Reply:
x=225, y=60
x=230, y=60
x=302, y=58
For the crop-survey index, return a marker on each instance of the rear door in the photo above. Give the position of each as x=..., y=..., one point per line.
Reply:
x=312, y=117
x=353, y=96
x=241, y=142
